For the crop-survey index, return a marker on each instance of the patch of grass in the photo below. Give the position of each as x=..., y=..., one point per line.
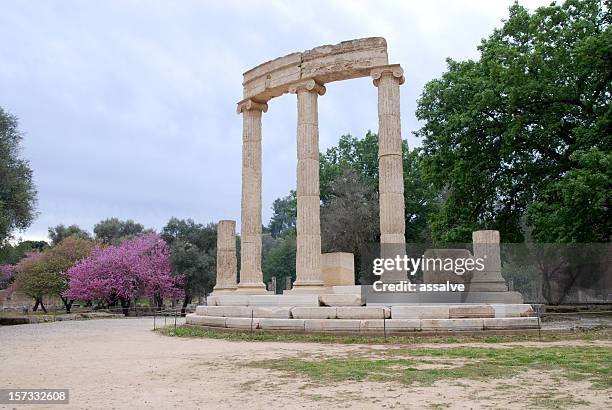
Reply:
x=551, y=401
x=400, y=365
x=195, y=331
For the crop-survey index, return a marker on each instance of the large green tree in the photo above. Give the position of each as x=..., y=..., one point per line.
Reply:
x=284, y=215
x=35, y=280
x=17, y=191
x=62, y=257
x=193, y=248
x=360, y=156
x=349, y=217
x=279, y=258
x=113, y=231
x=11, y=253
x=525, y=129
x=60, y=232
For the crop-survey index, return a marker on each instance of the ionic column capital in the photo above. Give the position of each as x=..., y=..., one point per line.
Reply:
x=394, y=70
x=249, y=104
x=308, y=85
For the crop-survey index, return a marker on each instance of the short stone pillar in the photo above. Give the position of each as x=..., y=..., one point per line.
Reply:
x=226, y=257
x=487, y=246
x=251, y=276
x=273, y=284
x=390, y=166
x=338, y=269
x=288, y=283
x=308, y=225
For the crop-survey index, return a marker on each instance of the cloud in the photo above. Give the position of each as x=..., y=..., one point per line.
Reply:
x=129, y=107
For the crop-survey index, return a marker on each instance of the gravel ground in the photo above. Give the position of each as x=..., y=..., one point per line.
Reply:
x=122, y=364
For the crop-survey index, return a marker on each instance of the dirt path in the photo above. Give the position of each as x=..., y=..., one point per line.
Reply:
x=123, y=364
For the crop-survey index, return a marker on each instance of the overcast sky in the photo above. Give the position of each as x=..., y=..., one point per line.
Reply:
x=129, y=107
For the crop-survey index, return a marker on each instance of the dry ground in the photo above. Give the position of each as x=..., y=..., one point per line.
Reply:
x=121, y=364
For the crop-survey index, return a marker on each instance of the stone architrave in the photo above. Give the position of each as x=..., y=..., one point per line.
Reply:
x=308, y=226
x=487, y=246
x=251, y=276
x=226, y=257
x=390, y=170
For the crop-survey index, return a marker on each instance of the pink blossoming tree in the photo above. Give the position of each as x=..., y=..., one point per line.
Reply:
x=7, y=278
x=134, y=268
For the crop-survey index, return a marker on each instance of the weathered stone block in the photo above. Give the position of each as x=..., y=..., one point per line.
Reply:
x=313, y=312
x=281, y=324
x=365, y=312
x=511, y=323
x=403, y=325
x=468, y=311
x=201, y=310
x=333, y=299
x=513, y=310
x=229, y=311
x=395, y=325
x=343, y=290
x=193, y=319
x=272, y=312
x=322, y=325
x=283, y=300
x=420, y=312
x=230, y=300
x=242, y=323
x=451, y=324
x=338, y=269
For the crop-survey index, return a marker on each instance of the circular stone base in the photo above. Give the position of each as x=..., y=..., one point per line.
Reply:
x=369, y=319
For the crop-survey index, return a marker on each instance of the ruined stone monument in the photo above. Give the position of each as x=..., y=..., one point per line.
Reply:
x=226, y=258
x=305, y=75
x=324, y=297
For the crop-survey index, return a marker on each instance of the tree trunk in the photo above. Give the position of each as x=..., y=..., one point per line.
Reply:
x=159, y=302
x=186, y=301
x=67, y=303
x=42, y=306
x=36, y=303
x=125, y=304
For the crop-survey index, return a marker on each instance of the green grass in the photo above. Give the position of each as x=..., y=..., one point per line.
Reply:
x=551, y=401
x=195, y=331
x=474, y=363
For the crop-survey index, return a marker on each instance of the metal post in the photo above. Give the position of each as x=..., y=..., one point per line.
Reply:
x=384, y=324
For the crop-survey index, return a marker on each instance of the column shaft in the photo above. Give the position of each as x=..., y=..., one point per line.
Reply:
x=251, y=277
x=390, y=168
x=308, y=254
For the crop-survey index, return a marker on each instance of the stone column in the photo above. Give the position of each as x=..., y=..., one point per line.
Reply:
x=251, y=277
x=390, y=170
x=487, y=246
x=226, y=257
x=308, y=254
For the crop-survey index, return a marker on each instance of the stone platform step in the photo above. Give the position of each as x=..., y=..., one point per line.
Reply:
x=366, y=325
x=420, y=312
